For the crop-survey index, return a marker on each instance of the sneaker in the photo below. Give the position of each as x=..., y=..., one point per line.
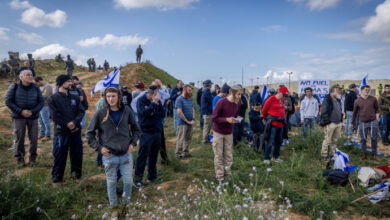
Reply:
x=139, y=185
x=56, y=180
x=326, y=159
x=267, y=161
x=46, y=138
x=278, y=160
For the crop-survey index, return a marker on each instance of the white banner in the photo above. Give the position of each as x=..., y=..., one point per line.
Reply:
x=320, y=87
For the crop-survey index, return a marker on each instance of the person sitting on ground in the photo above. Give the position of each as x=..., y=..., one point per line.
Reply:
x=118, y=135
x=225, y=115
x=25, y=101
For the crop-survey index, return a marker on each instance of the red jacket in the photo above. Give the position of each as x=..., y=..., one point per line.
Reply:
x=274, y=107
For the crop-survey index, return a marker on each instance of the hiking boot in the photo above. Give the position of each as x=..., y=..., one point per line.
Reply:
x=21, y=164
x=364, y=156
x=115, y=214
x=46, y=138
x=56, y=180
x=267, y=162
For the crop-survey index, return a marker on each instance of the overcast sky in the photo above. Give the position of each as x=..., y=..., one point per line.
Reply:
x=208, y=39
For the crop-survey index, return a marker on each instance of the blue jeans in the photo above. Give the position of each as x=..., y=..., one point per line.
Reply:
x=275, y=140
x=62, y=144
x=308, y=122
x=385, y=127
x=348, y=131
x=149, y=146
x=44, y=122
x=124, y=164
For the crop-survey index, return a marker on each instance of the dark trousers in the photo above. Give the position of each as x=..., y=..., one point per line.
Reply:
x=385, y=127
x=287, y=127
x=149, y=145
x=238, y=132
x=275, y=140
x=163, y=148
x=61, y=145
x=19, y=126
x=201, y=119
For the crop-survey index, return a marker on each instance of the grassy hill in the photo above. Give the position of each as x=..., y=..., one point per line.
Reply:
x=185, y=189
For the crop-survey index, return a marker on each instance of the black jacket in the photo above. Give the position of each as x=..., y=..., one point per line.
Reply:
x=350, y=101
x=116, y=138
x=20, y=97
x=150, y=115
x=255, y=98
x=326, y=110
x=65, y=108
x=206, y=107
x=199, y=96
x=80, y=92
x=256, y=121
x=243, y=106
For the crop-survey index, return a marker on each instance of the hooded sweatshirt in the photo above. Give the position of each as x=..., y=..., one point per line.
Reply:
x=309, y=108
x=384, y=104
x=115, y=135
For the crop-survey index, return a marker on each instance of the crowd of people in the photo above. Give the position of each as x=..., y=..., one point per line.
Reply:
x=123, y=119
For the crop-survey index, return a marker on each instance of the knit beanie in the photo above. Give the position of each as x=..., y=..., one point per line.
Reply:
x=61, y=79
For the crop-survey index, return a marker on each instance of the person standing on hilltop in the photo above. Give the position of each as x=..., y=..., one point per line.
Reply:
x=25, y=101
x=139, y=53
x=69, y=66
x=67, y=112
x=118, y=135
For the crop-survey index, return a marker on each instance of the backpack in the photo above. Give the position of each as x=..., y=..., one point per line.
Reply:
x=336, y=177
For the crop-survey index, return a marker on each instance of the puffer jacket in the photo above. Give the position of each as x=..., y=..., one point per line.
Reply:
x=20, y=97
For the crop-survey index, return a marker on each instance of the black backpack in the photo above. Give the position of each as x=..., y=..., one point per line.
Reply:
x=336, y=177
x=258, y=143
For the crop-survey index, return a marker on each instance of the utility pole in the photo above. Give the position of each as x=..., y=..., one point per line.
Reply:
x=289, y=79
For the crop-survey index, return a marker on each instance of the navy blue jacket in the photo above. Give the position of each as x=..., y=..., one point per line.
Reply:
x=150, y=115
x=255, y=121
x=174, y=94
x=199, y=97
x=255, y=98
x=20, y=97
x=206, y=105
x=65, y=108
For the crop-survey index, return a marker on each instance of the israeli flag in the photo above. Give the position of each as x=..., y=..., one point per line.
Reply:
x=364, y=82
x=264, y=94
x=112, y=79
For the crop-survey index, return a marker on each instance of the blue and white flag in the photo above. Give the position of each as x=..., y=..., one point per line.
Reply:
x=112, y=79
x=340, y=160
x=264, y=94
x=364, y=82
